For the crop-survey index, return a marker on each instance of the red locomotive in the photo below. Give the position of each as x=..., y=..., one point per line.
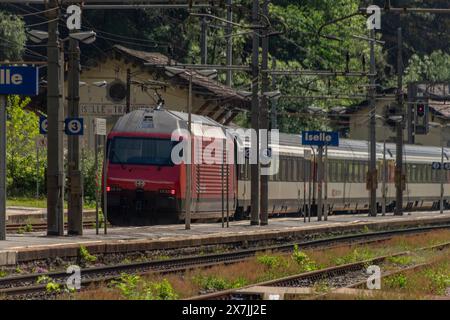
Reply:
x=145, y=186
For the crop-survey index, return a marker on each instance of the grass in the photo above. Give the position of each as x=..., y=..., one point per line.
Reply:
x=267, y=266
x=38, y=203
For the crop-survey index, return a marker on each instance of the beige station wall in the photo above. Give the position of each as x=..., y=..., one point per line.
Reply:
x=359, y=129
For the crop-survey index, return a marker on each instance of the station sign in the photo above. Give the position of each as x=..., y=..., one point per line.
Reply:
x=320, y=138
x=22, y=80
x=74, y=126
x=437, y=165
x=43, y=125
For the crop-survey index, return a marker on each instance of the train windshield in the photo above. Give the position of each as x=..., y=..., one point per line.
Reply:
x=141, y=151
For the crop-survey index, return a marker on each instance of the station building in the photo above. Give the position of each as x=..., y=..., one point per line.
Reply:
x=356, y=118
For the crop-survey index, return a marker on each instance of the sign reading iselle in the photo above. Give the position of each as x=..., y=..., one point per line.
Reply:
x=320, y=138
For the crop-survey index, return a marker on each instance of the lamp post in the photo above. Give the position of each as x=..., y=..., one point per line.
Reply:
x=172, y=71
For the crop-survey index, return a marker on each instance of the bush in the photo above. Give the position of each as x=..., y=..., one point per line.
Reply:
x=22, y=130
x=90, y=179
x=305, y=263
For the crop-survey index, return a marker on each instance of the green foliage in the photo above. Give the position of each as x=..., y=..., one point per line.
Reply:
x=53, y=287
x=162, y=290
x=43, y=279
x=127, y=285
x=434, y=67
x=90, y=179
x=440, y=280
x=358, y=254
x=3, y=273
x=12, y=37
x=397, y=281
x=134, y=288
x=22, y=130
x=216, y=283
x=269, y=261
x=301, y=258
x=401, y=260
x=86, y=256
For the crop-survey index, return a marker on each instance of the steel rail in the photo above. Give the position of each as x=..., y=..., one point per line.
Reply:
x=312, y=276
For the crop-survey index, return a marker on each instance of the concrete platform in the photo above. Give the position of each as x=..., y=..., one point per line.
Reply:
x=20, y=215
x=36, y=245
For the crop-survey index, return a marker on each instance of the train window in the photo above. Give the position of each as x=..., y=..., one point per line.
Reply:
x=331, y=170
x=300, y=169
x=420, y=173
x=339, y=171
x=294, y=169
x=141, y=151
x=427, y=173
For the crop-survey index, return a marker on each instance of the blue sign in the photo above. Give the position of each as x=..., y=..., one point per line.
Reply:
x=320, y=138
x=43, y=125
x=74, y=126
x=19, y=80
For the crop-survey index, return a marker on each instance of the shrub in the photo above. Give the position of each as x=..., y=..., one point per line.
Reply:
x=86, y=256
x=271, y=262
x=301, y=258
x=162, y=290
x=127, y=285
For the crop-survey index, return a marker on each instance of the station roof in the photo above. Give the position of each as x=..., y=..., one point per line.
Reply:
x=202, y=84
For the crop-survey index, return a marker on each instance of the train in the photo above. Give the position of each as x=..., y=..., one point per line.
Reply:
x=145, y=186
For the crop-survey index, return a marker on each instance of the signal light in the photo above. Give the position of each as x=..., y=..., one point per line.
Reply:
x=420, y=110
x=108, y=189
x=167, y=191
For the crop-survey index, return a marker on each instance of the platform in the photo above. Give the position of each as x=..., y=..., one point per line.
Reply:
x=36, y=245
x=21, y=215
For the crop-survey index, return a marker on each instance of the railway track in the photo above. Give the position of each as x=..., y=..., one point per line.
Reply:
x=345, y=276
x=26, y=286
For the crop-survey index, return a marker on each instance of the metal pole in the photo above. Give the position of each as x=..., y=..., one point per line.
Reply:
x=304, y=188
x=441, y=202
x=222, y=180
x=264, y=116
x=410, y=114
x=204, y=41
x=96, y=184
x=55, y=112
x=105, y=181
x=255, y=169
x=228, y=196
x=325, y=188
x=383, y=204
x=187, y=218
x=319, y=183
x=128, y=97
x=2, y=167
x=273, y=109
x=310, y=179
x=229, y=32
x=37, y=169
x=399, y=137
x=75, y=198
x=372, y=133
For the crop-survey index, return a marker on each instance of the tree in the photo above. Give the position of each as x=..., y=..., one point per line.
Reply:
x=433, y=68
x=22, y=130
x=12, y=37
